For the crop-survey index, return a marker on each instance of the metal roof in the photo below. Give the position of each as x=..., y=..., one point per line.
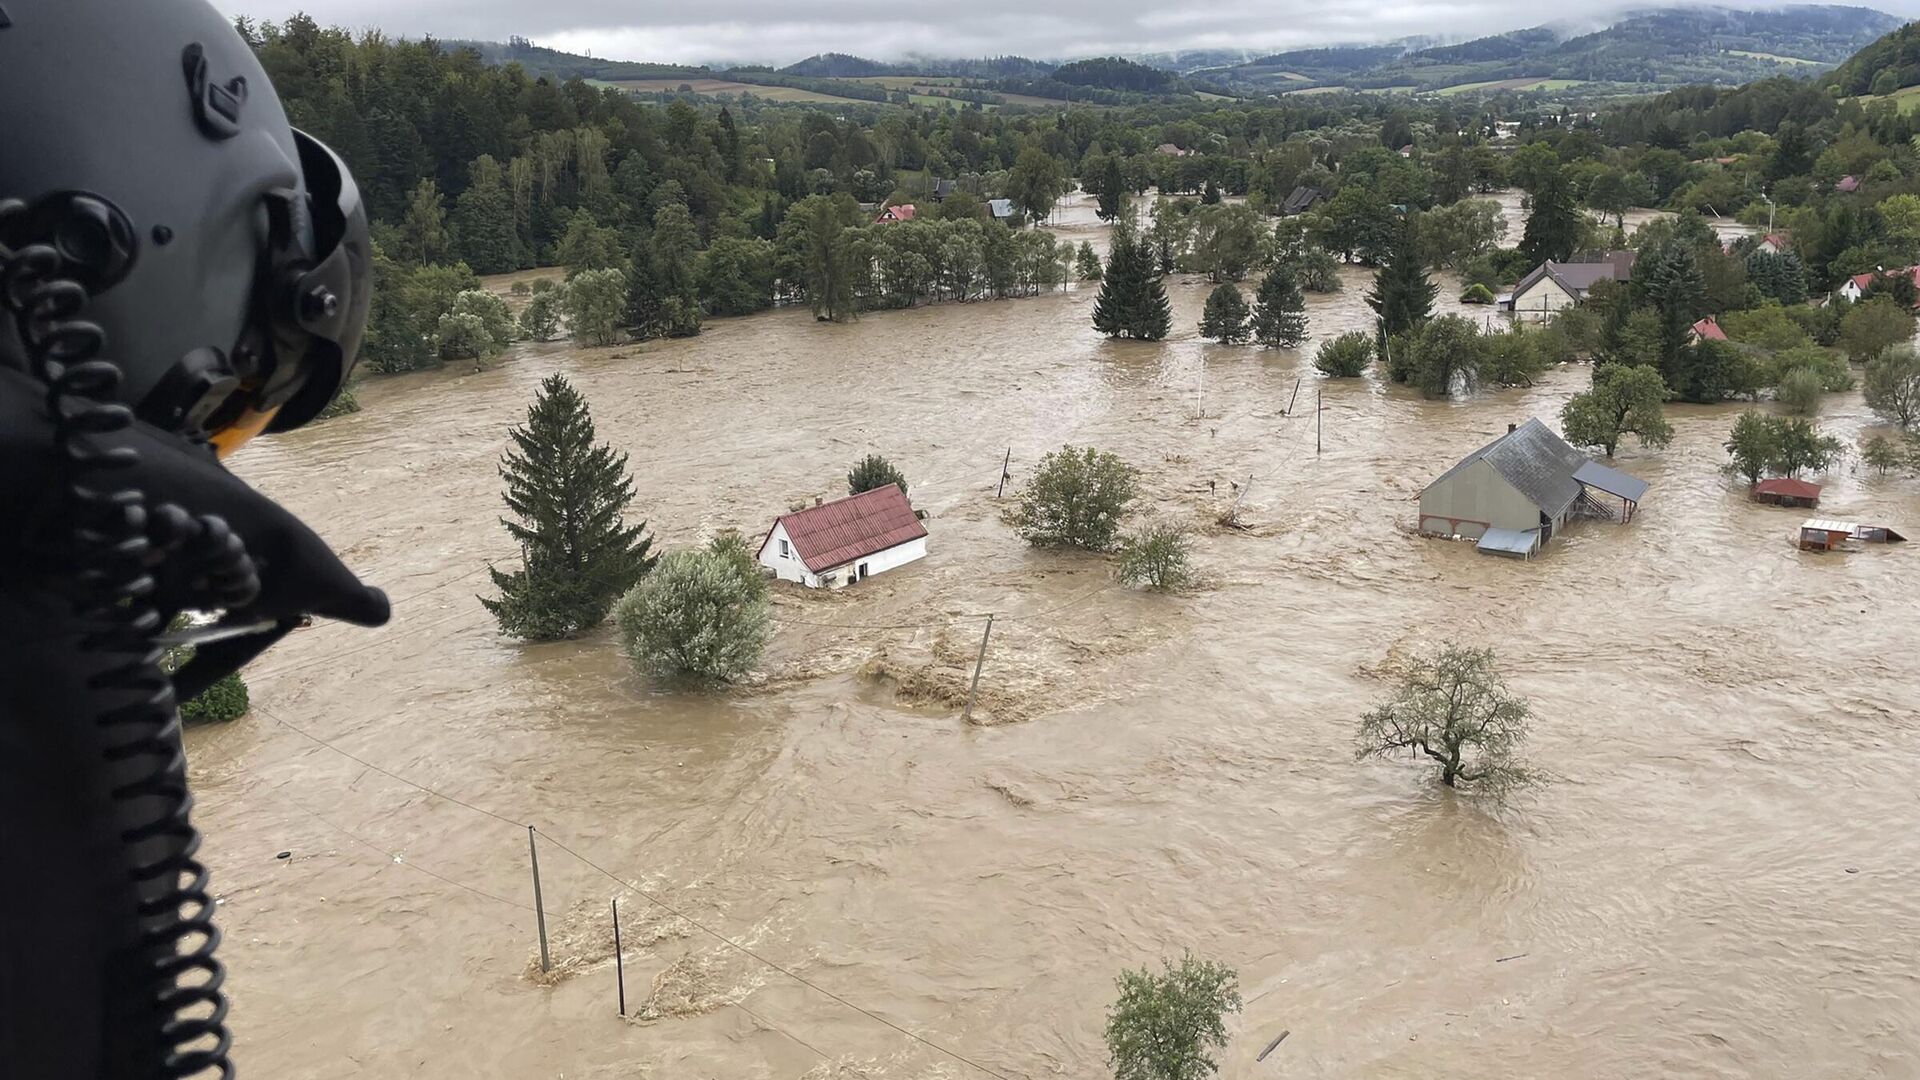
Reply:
x=1787, y=486
x=1612, y=481
x=1000, y=207
x=851, y=528
x=1577, y=278
x=1510, y=541
x=1828, y=525
x=1538, y=463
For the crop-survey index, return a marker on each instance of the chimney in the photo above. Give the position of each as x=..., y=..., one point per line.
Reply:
x=817, y=500
x=1511, y=428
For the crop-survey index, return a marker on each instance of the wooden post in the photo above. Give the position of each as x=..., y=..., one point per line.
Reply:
x=967, y=713
x=1294, y=398
x=1004, y=474
x=539, y=908
x=1233, y=515
x=619, y=963
x=1316, y=422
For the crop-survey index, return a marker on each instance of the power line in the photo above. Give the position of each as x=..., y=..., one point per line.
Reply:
x=782, y=969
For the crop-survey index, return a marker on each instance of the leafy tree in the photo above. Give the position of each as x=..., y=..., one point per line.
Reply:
x=1883, y=455
x=1439, y=353
x=1453, y=706
x=1226, y=241
x=1113, y=191
x=1075, y=498
x=1799, y=447
x=1891, y=385
x=702, y=615
x=1036, y=183
x=1163, y=1026
x=422, y=236
x=1357, y=223
x=492, y=312
x=1767, y=327
x=874, y=471
x=815, y=247
x=463, y=337
x=483, y=220
x=1625, y=399
x=736, y=276
x=1872, y=326
x=1157, y=555
x=1279, y=311
x=1086, y=263
x=593, y=301
x=1345, y=357
x=1210, y=196
x=540, y=320
x=1515, y=356
x=1402, y=295
x=1451, y=236
x=588, y=245
x=1799, y=392
x=1610, y=193
x=1753, y=444
x=1225, y=317
x=566, y=495
x=1133, y=301
x=1555, y=224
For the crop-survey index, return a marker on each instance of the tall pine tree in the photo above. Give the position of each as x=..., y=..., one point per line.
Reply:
x=1402, y=293
x=1133, y=301
x=1225, y=316
x=1555, y=222
x=568, y=495
x=1113, y=191
x=1279, y=311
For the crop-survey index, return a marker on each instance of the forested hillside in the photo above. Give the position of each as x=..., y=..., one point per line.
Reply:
x=1887, y=65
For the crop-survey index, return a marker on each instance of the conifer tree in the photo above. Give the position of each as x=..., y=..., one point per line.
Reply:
x=1086, y=263
x=1133, y=301
x=483, y=221
x=1225, y=317
x=1402, y=293
x=1113, y=191
x=567, y=494
x=1279, y=311
x=1555, y=222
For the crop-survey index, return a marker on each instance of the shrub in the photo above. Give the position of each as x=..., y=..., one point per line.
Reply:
x=492, y=312
x=521, y=288
x=1076, y=498
x=541, y=319
x=1156, y=555
x=1477, y=294
x=1163, y=1026
x=463, y=337
x=874, y=471
x=703, y=614
x=1345, y=357
x=224, y=700
x=344, y=402
x=1799, y=392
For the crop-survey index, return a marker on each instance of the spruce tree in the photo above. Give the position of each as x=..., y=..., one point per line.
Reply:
x=1086, y=263
x=483, y=221
x=1132, y=301
x=1279, y=311
x=1402, y=293
x=1113, y=191
x=1555, y=222
x=1225, y=317
x=568, y=495
x=1210, y=194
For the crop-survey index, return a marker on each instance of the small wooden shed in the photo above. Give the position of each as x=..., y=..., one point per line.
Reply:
x=1825, y=534
x=1786, y=491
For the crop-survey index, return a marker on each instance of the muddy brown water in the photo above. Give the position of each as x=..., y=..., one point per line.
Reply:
x=1724, y=881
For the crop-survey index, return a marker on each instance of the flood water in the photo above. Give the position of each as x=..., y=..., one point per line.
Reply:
x=1724, y=880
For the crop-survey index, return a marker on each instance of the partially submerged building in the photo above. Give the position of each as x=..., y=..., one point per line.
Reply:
x=829, y=545
x=1553, y=285
x=1826, y=534
x=1513, y=494
x=1786, y=491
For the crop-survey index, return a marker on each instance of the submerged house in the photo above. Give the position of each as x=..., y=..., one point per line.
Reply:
x=1825, y=534
x=902, y=212
x=1553, y=285
x=1856, y=286
x=1001, y=210
x=848, y=540
x=1513, y=494
x=1786, y=491
x=1707, y=329
x=1301, y=200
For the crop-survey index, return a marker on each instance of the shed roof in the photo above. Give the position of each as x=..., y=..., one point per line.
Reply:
x=1510, y=541
x=1708, y=329
x=1537, y=462
x=1828, y=525
x=838, y=532
x=1000, y=207
x=1788, y=487
x=1612, y=481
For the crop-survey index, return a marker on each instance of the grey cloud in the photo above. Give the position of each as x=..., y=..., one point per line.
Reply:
x=781, y=31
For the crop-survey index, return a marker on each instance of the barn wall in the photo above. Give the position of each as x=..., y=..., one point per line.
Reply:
x=1473, y=500
x=1542, y=299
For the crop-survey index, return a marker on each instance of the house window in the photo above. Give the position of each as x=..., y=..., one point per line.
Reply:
x=785, y=551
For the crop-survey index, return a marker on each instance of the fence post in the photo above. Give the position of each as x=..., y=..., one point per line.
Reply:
x=1316, y=422
x=1294, y=398
x=967, y=713
x=539, y=908
x=619, y=962
x=1004, y=474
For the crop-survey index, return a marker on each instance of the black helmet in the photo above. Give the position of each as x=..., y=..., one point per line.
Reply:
x=227, y=253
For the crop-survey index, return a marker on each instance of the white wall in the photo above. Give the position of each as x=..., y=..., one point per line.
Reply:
x=1541, y=299
x=786, y=567
x=792, y=569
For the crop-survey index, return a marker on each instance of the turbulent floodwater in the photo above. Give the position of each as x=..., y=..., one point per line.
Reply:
x=1724, y=881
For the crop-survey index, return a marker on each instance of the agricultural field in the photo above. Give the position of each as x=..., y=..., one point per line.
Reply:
x=1773, y=57
x=1316, y=90
x=729, y=88
x=1508, y=84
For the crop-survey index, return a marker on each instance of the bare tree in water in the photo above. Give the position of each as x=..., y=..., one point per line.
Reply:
x=1452, y=706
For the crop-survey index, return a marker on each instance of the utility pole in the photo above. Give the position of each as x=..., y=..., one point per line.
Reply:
x=1004, y=474
x=967, y=713
x=619, y=961
x=1317, y=407
x=1295, y=397
x=539, y=908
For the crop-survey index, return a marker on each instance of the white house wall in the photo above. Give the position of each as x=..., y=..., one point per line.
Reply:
x=791, y=568
x=787, y=567
x=1542, y=298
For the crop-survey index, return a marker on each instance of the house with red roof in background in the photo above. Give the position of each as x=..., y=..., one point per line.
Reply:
x=1847, y=184
x=1773, y=243
x=1856, y=286
x=1707, y=329
x=829, y=545
x=903, y=212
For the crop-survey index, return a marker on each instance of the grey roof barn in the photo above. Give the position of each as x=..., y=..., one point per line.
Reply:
x=1515, y=492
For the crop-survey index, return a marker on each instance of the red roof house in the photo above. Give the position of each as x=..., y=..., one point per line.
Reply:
x=1856, y=285
x=903, y=212
x=1786, y=491
x=1847, y=183
x=1708, y=329
x=844, y=541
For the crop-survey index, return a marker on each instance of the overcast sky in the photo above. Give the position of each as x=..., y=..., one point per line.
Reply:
x=782, y=31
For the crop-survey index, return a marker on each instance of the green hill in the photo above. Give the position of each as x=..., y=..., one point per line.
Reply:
x=1889, y=64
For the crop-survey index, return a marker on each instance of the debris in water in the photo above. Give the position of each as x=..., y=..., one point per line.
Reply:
x=1277, y=1040
x=284, y=855
x=1515, y=956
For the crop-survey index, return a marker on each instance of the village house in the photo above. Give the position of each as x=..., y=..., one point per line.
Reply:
x=1301, y=200
x=1772, y=244
x=1513, y=494
x=902, y=212
x=1707, y=329
x=1553, y=285
x=1825, y=534
x=829, y=545
x=1847, y=184
x=1856, y=286
x=1171, y=150
x=1001, y=209
x=1786, y=491
x=943, y=188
